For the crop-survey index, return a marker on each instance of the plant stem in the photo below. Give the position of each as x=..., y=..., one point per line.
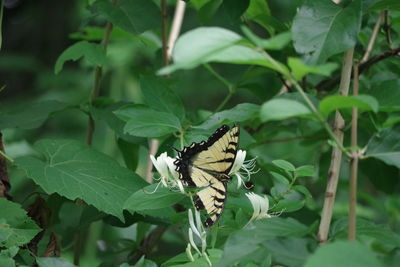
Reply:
x=148, y=243
x=164, y=20
x=4, y=179
x=223, y=103
x=7, y=157
x=176, y=26
x=386, y=28
x=154, y=143
x=354, y=163
x=98, y=72
x=230, y=86
x=373, y=37
x=153, y=147
x=336, y=158
x=331, y=83
x=218, y=76
x=319, y=116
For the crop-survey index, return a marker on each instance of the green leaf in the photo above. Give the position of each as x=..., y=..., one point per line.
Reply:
x=387, y=4
x=213, y=44
x=239, y=113
x=283, y=164
x=277, y=42
x=290, y=251
x=141, y=263
x=150, y=198
x=130, y=152
x=208, y=10
x=260, y=13
x=363, y=102
x=134, y=16
x=307, y=170
x=387, y=93
x=6, y=261
x=280, y=178
x=303, y=190
x=324, y=28
x=145, y=122
x=385, y=146
x=280, y=109
x=92, y=52
x=247, y=241
x=379, y=232
x=193, y=47
x=7, y=255
x=74, y=170
x=29, y=115
x=16, y=228
x=344, y=254
x=300, y=69
x=235, y=9
x=53, y=262
x=160, y=97
x=288, y=205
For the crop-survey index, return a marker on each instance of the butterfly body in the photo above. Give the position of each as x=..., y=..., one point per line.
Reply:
x=206, y=165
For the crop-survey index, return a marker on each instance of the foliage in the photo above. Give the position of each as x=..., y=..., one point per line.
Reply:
x=79, y=121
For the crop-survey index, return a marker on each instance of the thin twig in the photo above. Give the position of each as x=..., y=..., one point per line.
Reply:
x=306, y=99
x=98, y=72
x=164, y=20
x=154, y=143
x=153, y=147
x=354, y=163
x=218, y=76
x=152, y=239
x=386, y=28
x=373, y=38
x=176, y=26
x=148, y=243
x=330, y=84
x=230, y=86
x=4, y=179
x=336, y=158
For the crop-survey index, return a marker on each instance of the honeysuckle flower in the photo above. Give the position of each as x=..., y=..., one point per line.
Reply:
x=260, y=206
x=166, y=168
x=197, y=228
x=242, y=168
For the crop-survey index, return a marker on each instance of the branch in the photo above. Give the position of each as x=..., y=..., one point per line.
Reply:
x=153, y=146
x=176, y=26
x=386, y=28
x=373, y=37
x=330, y=84
x=4, y=180
x=336, y=158
x=148, y=243
x=354, y=164
x=152, y=239
x=98, y=73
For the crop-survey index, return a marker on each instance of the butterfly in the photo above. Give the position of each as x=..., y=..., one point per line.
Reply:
x=206, y=165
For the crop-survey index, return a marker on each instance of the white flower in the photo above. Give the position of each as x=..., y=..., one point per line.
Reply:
x=197, y=228
x=260, y=206
x=166, y=168
x=242, y=168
